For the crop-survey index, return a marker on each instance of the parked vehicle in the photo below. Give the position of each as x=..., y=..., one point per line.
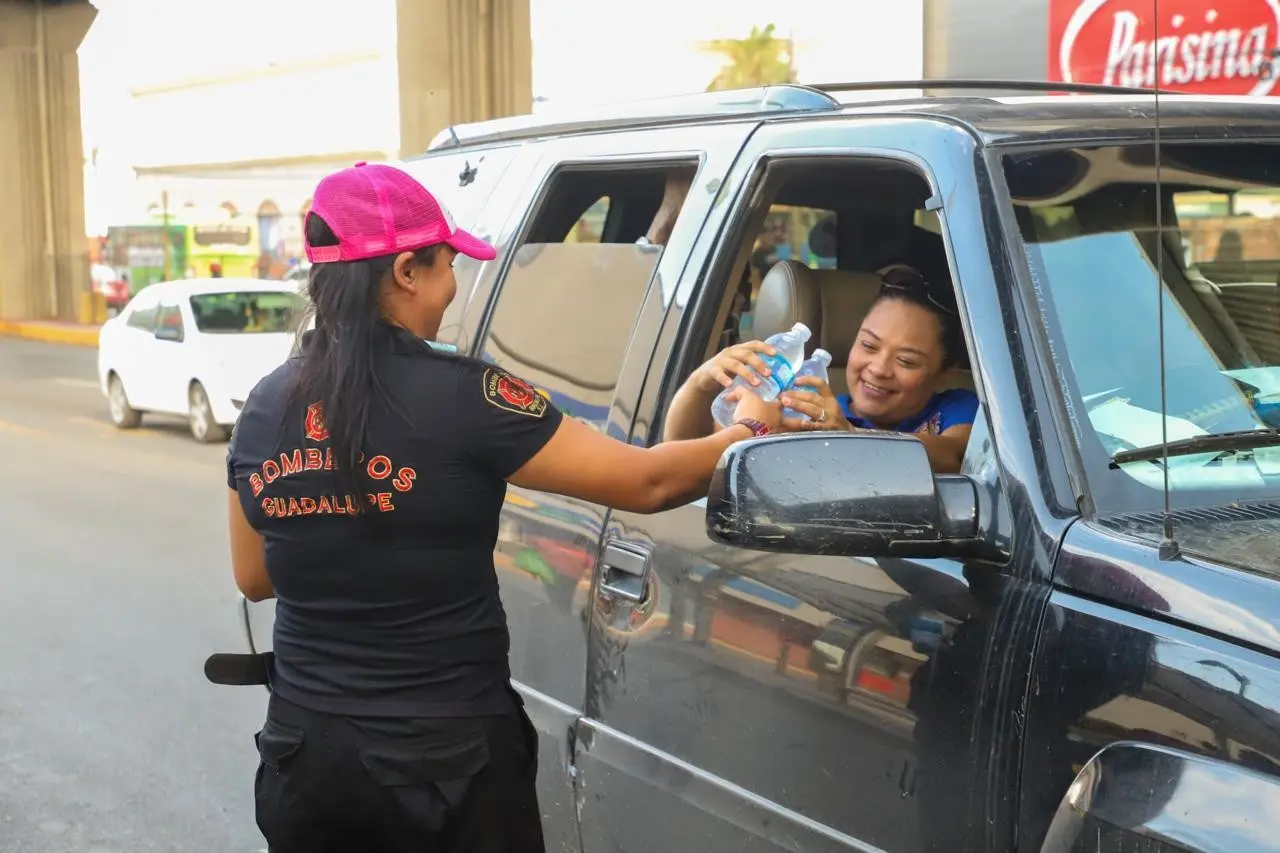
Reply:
x=111, y=285
x=1073, y=645
x=195, y=347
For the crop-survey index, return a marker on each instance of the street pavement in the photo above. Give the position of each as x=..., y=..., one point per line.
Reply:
x=114, y=587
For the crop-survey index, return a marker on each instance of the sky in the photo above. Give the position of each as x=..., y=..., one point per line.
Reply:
x=584, y=52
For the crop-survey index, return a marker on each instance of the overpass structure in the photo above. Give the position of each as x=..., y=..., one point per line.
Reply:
x=456, y=60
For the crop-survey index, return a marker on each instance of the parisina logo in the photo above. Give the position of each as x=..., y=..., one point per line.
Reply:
x=1210, y=47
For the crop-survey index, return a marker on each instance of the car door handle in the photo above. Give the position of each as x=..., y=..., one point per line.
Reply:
x=626, y=570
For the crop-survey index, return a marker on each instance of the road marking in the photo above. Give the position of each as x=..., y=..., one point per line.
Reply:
x=25, y=430
x=78, y=383
x=106, y=428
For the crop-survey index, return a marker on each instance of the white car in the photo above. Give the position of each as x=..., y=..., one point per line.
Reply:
x=195, y=347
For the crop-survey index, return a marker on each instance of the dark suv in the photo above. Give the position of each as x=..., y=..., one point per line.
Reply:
x=1070, y=646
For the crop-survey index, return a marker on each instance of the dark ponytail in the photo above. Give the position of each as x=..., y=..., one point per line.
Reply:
x=339, y=369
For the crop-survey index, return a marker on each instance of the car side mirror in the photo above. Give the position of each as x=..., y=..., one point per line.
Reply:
x=169, y=333
x=847, y=494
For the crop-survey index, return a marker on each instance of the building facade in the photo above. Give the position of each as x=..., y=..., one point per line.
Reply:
x=229, y=119
x=212, y=133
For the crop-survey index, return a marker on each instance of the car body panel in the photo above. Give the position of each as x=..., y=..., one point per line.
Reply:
x=1107, y=676
x=828, y=688
x=760, y=702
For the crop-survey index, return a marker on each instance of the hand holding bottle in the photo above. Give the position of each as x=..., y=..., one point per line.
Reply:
x=748, y=404
x=780, y=370
x=815, y=405
x=740, y=360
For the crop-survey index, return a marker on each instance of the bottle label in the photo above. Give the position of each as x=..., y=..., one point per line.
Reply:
x=782, y=373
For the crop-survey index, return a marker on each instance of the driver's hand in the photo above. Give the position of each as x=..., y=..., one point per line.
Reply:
x=811, y=396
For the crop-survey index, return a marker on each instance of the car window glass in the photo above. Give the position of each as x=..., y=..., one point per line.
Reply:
x=566, y=307
x=169, y=320
x=250, y=312
x=564, y=318
x=142, y=312
x=1093, y=253
x=590, y=225
x=791, y=232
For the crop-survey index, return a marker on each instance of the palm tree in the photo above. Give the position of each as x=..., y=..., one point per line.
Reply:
x=757, y=60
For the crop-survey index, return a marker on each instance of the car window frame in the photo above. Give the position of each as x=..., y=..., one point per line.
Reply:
x=542, y=198
x=701, y=305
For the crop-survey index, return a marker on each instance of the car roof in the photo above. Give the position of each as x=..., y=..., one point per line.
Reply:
x=205, y=286
x=1046, y=117
x=1039, y=115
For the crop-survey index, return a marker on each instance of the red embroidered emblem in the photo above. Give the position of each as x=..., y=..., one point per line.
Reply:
x=316, y=430
x=511, y=394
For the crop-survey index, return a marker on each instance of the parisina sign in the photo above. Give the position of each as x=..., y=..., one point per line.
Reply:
x=1209, y=47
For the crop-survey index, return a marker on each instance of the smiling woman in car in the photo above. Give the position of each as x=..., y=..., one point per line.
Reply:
x=898, y=372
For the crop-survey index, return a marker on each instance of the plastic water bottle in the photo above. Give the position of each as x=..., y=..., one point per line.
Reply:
x=814, y=365
x=789, y=349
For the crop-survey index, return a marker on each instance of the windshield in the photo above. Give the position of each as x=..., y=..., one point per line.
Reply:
x=251, y=312
x=1087, y=218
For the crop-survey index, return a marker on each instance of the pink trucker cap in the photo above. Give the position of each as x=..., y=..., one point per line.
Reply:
x=376, y=210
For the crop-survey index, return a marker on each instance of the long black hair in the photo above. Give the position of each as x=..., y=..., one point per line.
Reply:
x=339, y=368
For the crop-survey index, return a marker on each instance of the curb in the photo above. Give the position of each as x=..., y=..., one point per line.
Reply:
x=50, y=333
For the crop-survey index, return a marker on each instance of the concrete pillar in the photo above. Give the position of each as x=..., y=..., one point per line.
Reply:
x=44, y=268
x=460, y=61
x=935, y=38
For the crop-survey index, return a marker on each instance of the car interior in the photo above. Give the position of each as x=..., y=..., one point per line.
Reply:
x=879, y=222
x=868, y=217
x=1231, y=300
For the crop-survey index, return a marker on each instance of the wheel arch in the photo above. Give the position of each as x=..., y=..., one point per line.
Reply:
x=1145, y=791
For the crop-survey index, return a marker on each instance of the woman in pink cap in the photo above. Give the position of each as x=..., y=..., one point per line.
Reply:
x=366, y=479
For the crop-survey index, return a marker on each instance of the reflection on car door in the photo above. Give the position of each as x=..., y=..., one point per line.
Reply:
x=762, y=702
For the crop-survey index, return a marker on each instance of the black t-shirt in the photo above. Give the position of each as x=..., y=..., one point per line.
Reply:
x=397, y=613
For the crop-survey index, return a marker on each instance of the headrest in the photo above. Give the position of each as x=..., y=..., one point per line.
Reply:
x=846, y=300
x=788, y=295
x=832, y=303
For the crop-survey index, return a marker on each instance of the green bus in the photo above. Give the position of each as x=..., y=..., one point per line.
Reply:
x=197, y=250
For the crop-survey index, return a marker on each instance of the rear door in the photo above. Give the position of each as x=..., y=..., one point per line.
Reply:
x=171, y=365
x=133, y=350
x=570, y=316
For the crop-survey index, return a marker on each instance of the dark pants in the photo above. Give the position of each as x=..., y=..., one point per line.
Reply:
x=330, y=784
